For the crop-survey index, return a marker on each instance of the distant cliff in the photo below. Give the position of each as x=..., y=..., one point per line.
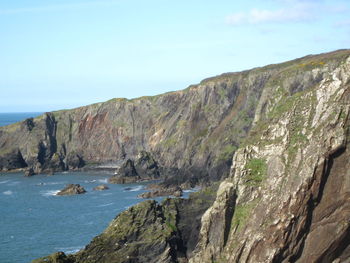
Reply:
x=286, y=198
x=194, y=131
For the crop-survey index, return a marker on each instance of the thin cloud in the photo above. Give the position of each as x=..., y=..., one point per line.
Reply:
x=299, y=13
x=38, y=9
x=344, y=23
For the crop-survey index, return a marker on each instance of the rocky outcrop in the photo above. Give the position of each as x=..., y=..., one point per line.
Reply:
x=72, y=189
x=161, y=191
x=58, y=257
x=288, y=186
x=148, y=232
x=29, y=172
x=143, y=168
x=286, y=198
x=101, y=187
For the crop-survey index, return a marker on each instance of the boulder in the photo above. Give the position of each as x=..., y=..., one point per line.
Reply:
x=72, y=189
x=101, y=187
x=29, y=172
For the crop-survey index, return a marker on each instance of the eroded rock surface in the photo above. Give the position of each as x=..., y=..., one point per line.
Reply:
x=290, y=181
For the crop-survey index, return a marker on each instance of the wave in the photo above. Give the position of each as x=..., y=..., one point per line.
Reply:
x=8, y=192
x=105, y=205
x=193, y=190
x=49, y=193
x=103, y=181
x=69, y=250
x=89, y=181
x=137, y=188
x=4, y=182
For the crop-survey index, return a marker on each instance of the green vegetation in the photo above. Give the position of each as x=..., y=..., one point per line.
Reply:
x=170, y=142
x=222, y=93
x=181, y=124
x=242, y=213
x=227, y=152
x=256, y=171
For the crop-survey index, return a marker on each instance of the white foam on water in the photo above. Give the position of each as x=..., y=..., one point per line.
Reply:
x=68, y=250
x=8, y=192
x=91, y=181
x=137, y=188
x=49, y=193
x=196, y=189
x=103, y=181
x=4, y=182
x=105, y=205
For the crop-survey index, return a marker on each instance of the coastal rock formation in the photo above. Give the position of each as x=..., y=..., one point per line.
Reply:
x=101, y=187
x=29, y=172
x=286, y=197
x=72, y=189
x=144, y=168
x=147, y=232
x=161, y=191
x=289, y=182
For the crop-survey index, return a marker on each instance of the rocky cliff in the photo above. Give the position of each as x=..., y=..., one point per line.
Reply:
x=192, y=133
x=286, y=198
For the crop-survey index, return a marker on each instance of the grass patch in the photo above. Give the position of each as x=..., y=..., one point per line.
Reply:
x=256, y=171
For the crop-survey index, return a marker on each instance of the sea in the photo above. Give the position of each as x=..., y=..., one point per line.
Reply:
x=35, y=222
x=12, y=117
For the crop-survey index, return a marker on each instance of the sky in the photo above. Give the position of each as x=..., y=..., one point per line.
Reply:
x=59, y=54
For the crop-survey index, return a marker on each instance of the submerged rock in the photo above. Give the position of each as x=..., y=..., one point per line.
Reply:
x=101, y=187
x=72, y=189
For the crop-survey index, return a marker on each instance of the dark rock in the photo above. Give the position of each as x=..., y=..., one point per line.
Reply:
x=149, y=232
x=125, y=174
x=12, y=160
x=146, y=166
x=72, y=189
x=58, y=257
x=101, y=187
x=127, y=169
x=174, y=191
x=29, y=172
x=29, y=124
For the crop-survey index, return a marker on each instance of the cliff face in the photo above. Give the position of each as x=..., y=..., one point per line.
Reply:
x=287, y=195
x=195, y=130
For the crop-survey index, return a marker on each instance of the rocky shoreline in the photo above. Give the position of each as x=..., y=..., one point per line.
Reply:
x=276, y=139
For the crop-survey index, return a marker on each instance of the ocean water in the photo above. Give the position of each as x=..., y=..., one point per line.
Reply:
x=11, y=117
x=35, y=222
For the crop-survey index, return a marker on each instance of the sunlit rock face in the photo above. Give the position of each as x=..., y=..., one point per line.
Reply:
x=290, y=180
x=285, y=129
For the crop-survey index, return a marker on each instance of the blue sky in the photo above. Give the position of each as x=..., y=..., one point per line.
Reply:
x=67, y=53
